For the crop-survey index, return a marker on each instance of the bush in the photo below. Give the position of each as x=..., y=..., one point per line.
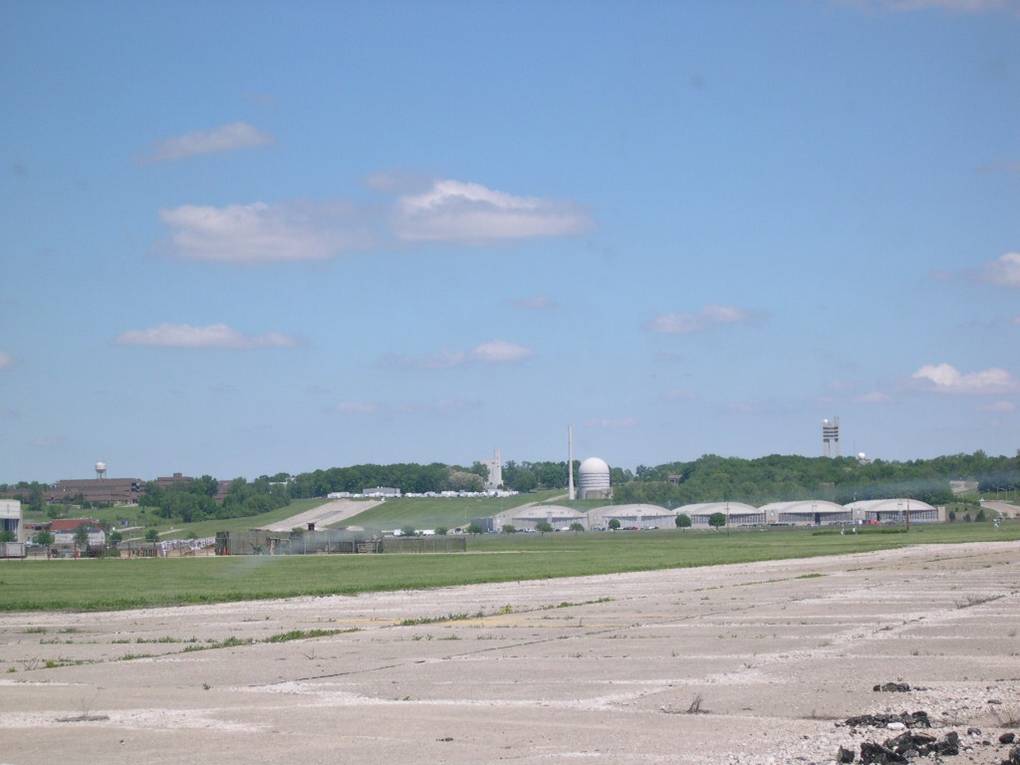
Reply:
x=717, y=520
x=508, y=528
x=441, y=531
x=542, y=527
x=952, y=516
x=151, y=535
x=683, y=521
x=474, y=528
x=614, y=524
x=981, y=515
x=575, y=527
x=408, y=531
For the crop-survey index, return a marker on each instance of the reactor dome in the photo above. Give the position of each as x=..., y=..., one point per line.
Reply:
x=594, y=475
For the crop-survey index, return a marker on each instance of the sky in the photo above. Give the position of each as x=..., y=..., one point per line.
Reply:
x=242, y=238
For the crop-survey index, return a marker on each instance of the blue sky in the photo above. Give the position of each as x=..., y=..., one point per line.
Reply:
x=243, y=238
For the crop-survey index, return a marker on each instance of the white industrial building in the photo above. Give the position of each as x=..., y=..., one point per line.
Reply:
x=527, y=518
x=737, y=513
x=893, y=511
x=10, y=518
x=638, y=516
x=809, y=512
x=593, y=475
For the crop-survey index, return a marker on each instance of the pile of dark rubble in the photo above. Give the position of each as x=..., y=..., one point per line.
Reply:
x=911, y=742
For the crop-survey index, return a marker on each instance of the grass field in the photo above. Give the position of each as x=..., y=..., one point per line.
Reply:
x=113, y=584
x=428, y=513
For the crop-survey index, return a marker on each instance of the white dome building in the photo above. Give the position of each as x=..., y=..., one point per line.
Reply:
x=594, y=478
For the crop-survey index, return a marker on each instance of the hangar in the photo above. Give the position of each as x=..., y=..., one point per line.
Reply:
x=893, y=510
x=807, y=512
x=737, y=513
x=639, y=516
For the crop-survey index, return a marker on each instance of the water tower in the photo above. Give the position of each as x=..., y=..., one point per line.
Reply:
x=100, y=470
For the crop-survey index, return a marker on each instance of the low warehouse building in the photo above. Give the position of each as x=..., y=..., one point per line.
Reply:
x=893, y=511
x=633, y=516
x=528, y=518
x=807, y=512
x=737, y=513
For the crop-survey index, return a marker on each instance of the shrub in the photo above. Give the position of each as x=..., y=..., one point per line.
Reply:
x=717, y=520
x=683, y=521
x=508, y=528
x=474, y=528
x=408, y=531
x=575, y=527
x=542, y=527
x=441, y=531
x=151, y=535
x=614, y=524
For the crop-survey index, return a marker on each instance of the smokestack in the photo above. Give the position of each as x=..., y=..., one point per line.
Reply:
x=571, y=494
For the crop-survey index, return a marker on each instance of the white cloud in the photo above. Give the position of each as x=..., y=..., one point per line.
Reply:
x=945, y=378
x=1004, y=270
x=534, y=303
x=259, y=232
x=211, y=336
x=457, y=211
x=500, y=352
x=710, y=316
x=236, y=135
x=874, y=397
x=999, y=407
x=5, y=360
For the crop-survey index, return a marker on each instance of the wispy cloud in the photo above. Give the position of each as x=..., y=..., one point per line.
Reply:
x=612, y=423
x=211, y=336
x=999, y=407
x=260, y=232
x=489, y=352
x=709, y=317
x=1003, y=271
x=230, y=137
x=500, y=352
x=459, y=211
x=445, y=406
x=534, y=303
x=5, y=360
x=48, y=442
x=679, y=394
x=945, y=378
x=357, y=407
x=959, y=6
x=873, y=397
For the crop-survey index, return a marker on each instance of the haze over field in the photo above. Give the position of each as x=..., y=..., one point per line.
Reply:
x=414, y=232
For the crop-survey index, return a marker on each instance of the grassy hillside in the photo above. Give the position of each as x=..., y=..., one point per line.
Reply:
x=112, y=583
x=428, y=513
x=146, y=519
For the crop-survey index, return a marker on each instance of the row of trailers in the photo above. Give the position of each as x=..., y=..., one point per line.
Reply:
x=799, y=513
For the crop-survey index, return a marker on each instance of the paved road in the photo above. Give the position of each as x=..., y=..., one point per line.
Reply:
x=596, y=669
x=324, y=515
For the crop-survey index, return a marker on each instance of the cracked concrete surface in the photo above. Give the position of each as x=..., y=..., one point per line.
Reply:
x=599, y=668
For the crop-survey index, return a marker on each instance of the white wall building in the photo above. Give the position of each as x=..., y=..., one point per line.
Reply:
x=10, y=518
x=593, y=475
